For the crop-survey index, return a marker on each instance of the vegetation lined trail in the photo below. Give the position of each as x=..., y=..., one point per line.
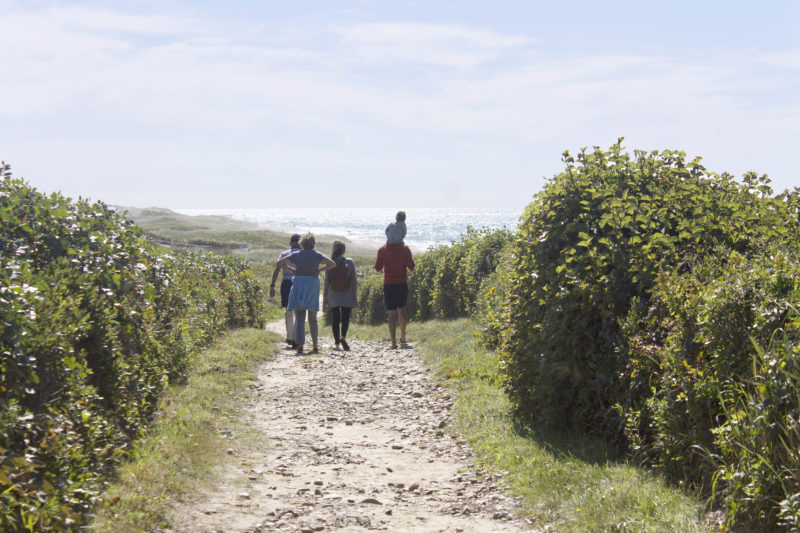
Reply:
x=349, y=441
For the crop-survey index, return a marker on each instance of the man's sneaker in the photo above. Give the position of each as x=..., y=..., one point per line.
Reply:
x=345, y=345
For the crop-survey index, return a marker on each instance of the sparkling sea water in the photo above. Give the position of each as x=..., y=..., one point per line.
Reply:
x=426, y=226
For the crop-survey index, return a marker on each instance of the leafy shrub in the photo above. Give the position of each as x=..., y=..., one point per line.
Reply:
x=593, y=242
x=638, y=287
x=422, y=282
x=492, y=301
x=95, y=324
x=757, y=470
x=370, y=300
x=460, y=271
x=706, y=402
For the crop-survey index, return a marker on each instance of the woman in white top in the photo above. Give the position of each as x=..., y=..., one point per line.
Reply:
x=339, y=293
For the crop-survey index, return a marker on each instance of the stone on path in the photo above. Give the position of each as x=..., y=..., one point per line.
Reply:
x=348, y=441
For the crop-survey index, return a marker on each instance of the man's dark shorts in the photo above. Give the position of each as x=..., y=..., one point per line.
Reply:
x=286, y=288
x=395, y=295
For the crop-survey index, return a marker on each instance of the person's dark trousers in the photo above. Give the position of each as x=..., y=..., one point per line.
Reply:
x=340, y=316
x=286, y=288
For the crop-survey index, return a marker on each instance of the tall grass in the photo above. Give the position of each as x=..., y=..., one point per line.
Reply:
x=188, y=440
x=757, y=466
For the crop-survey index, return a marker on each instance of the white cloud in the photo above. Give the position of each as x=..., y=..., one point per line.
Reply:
x=789, y=59
x=442, y=45
x=421, y=100
x=428, y=34
x=77, y=18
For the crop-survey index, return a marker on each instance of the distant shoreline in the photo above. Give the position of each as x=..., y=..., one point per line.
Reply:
x=356, y=244
x=364, y=227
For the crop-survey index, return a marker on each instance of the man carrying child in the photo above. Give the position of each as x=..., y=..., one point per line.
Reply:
x=395, y=260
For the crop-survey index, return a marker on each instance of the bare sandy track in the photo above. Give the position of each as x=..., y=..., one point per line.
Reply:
x=352, y=441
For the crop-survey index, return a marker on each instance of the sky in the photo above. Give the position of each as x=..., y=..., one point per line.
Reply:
x=382, y=103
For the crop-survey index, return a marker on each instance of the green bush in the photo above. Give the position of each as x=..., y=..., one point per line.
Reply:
x=370, y=300
x=706, y=402
x=757, y=470
x=95, y=324
x=422, y=282
x=638, y=290
x=593, y=242
x=460, y=271
x=492, y=301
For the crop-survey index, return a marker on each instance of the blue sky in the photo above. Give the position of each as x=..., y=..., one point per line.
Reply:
x=200, y=104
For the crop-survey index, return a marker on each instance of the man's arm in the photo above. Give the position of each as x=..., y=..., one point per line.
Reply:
x=379, y=262
x=281, y=263
x=410, y=263
x=274, y=278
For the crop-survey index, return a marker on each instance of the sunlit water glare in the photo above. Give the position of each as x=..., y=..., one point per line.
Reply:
x=426, y=226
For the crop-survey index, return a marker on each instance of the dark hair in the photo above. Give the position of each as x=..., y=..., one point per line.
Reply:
x=401, y=216
x=338, y=249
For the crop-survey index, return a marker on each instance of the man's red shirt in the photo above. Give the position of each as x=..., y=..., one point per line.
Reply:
x=394, y=259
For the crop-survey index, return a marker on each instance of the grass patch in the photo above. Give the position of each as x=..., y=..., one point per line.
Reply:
x=567, y=482
x=189, y=438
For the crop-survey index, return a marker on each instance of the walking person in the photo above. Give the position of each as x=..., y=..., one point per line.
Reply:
x=304, y=294
x=286, y=286
x=395, y=260
x=339, y=293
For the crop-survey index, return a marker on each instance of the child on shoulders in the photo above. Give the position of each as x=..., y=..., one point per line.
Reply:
x=396, y=231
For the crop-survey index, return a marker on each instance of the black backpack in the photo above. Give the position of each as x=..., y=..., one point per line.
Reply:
x=340, y=277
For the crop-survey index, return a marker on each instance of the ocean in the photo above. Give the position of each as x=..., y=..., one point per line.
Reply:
x=426, y=226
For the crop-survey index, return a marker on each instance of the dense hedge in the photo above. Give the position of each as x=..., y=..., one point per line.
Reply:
x=446, y=282
x=594, y=241
x=95, y=324
x=714, y=383
x=370, y=308
x=638, y=289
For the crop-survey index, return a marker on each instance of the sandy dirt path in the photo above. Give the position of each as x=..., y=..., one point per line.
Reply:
x=349, y=441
